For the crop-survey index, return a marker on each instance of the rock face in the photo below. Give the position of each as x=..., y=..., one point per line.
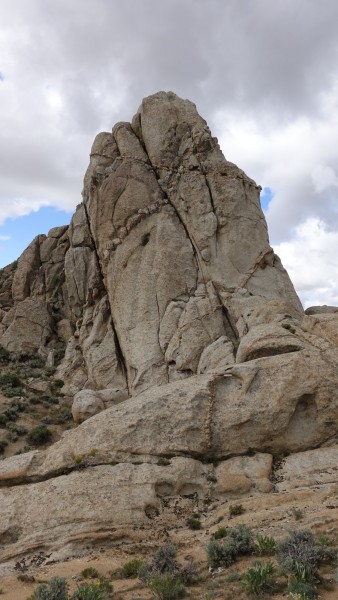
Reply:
x=180, y=325
x=165, y=269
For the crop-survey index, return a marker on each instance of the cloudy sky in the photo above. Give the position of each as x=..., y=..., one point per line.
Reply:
x=264, y=73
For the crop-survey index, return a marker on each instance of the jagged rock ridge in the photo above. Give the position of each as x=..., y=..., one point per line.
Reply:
x=164, y=288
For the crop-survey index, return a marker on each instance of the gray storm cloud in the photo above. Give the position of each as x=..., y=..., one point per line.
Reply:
x=264, y=74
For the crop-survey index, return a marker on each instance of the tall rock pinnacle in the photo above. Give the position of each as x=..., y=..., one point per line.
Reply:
x=181, y=243
x=184, y=341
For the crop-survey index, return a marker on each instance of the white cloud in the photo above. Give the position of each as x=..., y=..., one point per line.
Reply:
x=18, y=207
x=264, y=74
x=311, y=260
x=323, y=178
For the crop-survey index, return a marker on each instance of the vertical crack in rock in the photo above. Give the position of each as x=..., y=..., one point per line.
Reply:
x=230, y=328
x=211, y=201
x=119, y=352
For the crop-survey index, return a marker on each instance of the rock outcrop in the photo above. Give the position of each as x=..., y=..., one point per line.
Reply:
x=180, y=325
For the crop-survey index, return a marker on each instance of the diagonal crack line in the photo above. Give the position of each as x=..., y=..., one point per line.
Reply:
x=119, y=352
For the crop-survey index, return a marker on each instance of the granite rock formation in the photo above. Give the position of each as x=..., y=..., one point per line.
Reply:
x=180, y=325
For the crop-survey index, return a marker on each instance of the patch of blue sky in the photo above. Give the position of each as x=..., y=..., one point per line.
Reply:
x=266, y=197
x=17, y=234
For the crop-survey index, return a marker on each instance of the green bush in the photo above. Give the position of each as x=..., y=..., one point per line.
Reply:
x=55, y=589
x=234, y=576
x=265, y=545
x=220, y=554
x=242, y=539
x=31, y=358
x=39, y=435
x=165, y=560
x=63, y=415
x=3, y=445
x=90, y=573
x=300, y=556
x=259, y=579
x=220, y=533
x=19, y=429
x=164, y=563
x=131, y=569
x=11, y=392
x=235, y=510
x=59, y=352
x=8, y=380
x=58, y=383
x=3, y=420
x=5, y=356
x=193, y=523
x=99, y=588
x=239, y=541
x=166, y=586
x=90, y=591
x=305, y=590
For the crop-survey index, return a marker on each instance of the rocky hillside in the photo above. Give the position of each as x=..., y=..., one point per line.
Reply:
x=162, y=309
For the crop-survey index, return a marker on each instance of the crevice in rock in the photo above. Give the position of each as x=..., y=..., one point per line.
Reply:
x=230, y=327
x=211, y=200
x=266, y=351
x=119, y=352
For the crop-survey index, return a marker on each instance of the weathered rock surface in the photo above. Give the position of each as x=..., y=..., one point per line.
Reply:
x=184, y=342
x=165, y=267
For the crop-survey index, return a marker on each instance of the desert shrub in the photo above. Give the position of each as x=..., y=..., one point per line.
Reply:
x=189, y=572
x=11, y=392
x=259, y=579
x=59, y=352
x=234, y=576
x=300, y=555
x=10, y=414
x=166, y=586
x=297, y=514
x=305, y=590
x=265, y=545
x=220, y=533
x=35, y=360
x=220, y=554
x=15, y=428
x=90, y=573
x=235, y=510
x=239, y=541
x=164, y=563
x=99, y=588
x=242, y=539
x=90, y=591
x=5, y=356
x=35, y=400
x=49, y=371
x=9, y=380
x=165, y=560
x=12, y=436
x=17, y=406
x=58, y=383
x=193, y=522
x=39, y=435
x=3, y=420
x=55, y=589
x=132, y=568
x=24, y=449
x=62, y=416
x=3, y=445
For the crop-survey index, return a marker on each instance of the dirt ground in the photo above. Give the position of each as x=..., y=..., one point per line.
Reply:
x=267, y=514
